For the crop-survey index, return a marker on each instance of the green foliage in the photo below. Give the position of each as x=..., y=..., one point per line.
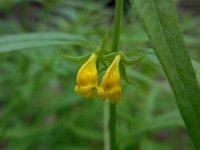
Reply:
x=38, y=106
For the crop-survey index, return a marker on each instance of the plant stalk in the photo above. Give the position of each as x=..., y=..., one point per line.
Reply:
x=117, y=24
x=115, y=47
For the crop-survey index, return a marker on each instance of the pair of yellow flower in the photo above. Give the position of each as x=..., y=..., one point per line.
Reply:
x=87, y=80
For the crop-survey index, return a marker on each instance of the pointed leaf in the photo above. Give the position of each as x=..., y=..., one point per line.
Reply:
x=161, y=22
x=72, y=59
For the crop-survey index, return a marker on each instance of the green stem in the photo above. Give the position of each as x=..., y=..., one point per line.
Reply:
x=117, y=24
x=115, y=47
x=106, y=124
x=112, y=126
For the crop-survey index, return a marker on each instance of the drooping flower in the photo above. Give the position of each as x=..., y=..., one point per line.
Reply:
x=110, y=86
x=87, y=78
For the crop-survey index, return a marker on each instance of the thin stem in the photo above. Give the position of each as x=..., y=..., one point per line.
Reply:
x=117, y=24
x=106, y=124
x=112, y=126
x=115, y=47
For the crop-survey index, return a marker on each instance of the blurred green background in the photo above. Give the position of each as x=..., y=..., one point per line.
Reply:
x=39, y=109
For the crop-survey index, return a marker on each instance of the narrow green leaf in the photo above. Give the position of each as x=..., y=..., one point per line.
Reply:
x=161, y=23
x=35, y=40
x=128, y=61
x=75, y=59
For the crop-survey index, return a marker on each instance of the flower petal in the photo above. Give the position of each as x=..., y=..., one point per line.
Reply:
x=110, y=85
x=87, y=78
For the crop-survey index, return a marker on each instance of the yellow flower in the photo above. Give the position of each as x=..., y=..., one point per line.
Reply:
x=87, y=79
x=110, y=85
